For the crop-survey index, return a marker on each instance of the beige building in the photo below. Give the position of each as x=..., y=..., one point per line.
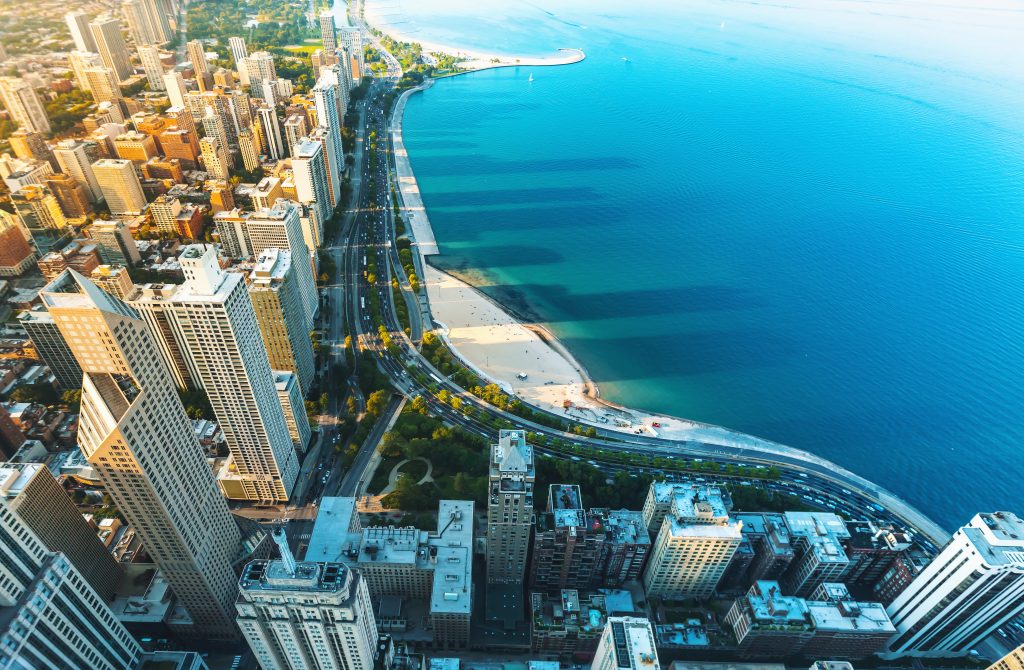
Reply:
x=294, y=408
x=509, y=507
x=1012, y=661
x=120, y=186
x=694, y=544
x=135, y=146
x=216, y=158
x=114, y=280
x=278, y=306
x=135, y=434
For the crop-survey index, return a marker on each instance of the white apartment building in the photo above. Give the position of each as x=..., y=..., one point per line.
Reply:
x=694, y=545
x=974, y=586
x=626, y=643
x=216, y=329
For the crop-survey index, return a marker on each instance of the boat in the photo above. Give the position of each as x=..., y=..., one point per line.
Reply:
x=625, y=59
x=531, y=77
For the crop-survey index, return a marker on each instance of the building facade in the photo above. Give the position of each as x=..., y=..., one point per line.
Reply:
x=509, y=507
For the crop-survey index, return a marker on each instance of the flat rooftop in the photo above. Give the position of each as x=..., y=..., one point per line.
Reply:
x=850, y=617
x=453, y=572
x=309, y=577
x=769, y=606
x=14, y=477
x=823, y=532
x=634, y=642
x=333, y=532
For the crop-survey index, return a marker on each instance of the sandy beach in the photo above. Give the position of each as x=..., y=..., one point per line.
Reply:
x=385, y=19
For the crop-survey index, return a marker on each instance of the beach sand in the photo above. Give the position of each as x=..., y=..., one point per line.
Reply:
x=383, y=18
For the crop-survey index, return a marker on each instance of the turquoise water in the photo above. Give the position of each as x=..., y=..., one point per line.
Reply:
x=801, y=219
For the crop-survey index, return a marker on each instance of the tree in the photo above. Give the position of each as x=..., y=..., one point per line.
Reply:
x=419, y=403
x=41, y=393
x=376, y=403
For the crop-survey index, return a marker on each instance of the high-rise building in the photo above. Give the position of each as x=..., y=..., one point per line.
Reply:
x=268, y=190
x=280, y=227
x=75, y=158
x=818, y=540
x=290, y=395
x=247, y=145
x=78, y=24
x=80, y=62
x=29, y=145
x=974, y=586
x=271, y=132
x=628, y=546
x=42, y=217
x=626, y=643
x=136, y=435
x=136, y=147
x=52, y=348
x=216, y=327
x=216, y=158
x=138, y=26
x=154, y=68
x=151, y=302
x=106, y=31
x=872, y=552
x=280, y=315
x=50, y=617
x=44, y=506
x=71, y=196
x=773, y=545
x=328, y=32
x=509, y=507
x=24, y=105
x=309, y=170
x=259, y=67
x=115, y=242
x=181, y=145
x=238, y=50
x=174, y=84
x=294, y=130
x=113, y=279
x=695, y=543
x=16, y=255
x=329, y=114
x=103, y=84
x=300, y=615
x=197, y=56
x=568, y=544
x=120, y=185
x=1012, y=661
x=353, y=42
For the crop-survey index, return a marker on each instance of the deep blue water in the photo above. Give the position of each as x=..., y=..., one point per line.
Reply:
x=801, y=219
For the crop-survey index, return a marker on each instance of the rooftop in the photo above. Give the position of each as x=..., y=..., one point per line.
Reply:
x=634, y=642
x=512, y=454
x=998, y=537
x=14, y=477
x=769, y=607
x=627, y=527
x=309, y=577
x=335, y=531
x=850, y=616
x=453, y=546
x=822, y=531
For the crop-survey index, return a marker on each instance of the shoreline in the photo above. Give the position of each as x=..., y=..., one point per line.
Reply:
x=473, y=60
x=477, y=328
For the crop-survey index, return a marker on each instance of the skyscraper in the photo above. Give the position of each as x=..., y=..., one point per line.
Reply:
x=29, y=145
x=627, y=643
x=174, y=84
x=271, y=131
x=197, y=56
x=23, y=105
x=568, y=544
x=974, y=586
x=138, y=26
x=294, y=130
x=120, y=185
x=78, y=24
x=248, y=147
x=80, y=62
x=328, y=33
x=290, y=395
x=326, y=98
x=135, y=433
x=115, y=242
x=280, y=227
x=280, y=314
x=309, y=170
x=52, y=347
x=695, y=543
x=150, y=57
x=216, y=158
x=306, y=615
x=509, y=507
x=42, y=217
x=238, y=50
x=16, y=255
x=71, y=196
x=75, y=158
x=106, y=31
x=50, y=617
x=103, y=84
x=44, y=506
x=216, y=327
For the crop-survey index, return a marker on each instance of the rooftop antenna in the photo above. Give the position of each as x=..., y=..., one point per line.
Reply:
x=281, y=539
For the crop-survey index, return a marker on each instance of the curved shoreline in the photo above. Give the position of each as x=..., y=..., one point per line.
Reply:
x=668, y=428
